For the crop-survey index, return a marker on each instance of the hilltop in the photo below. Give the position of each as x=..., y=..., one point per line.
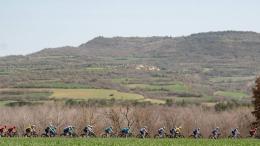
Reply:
x=199, y=67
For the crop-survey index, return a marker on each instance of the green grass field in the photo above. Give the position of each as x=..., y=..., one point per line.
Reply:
x=232, y=94
x=35, y=94
x=231, y=79
x=178, y=87
x=100, y=94
x=94, y=94
x=52, y=85
x=124, y=142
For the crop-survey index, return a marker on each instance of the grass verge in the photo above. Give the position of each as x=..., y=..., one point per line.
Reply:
x=124, y=142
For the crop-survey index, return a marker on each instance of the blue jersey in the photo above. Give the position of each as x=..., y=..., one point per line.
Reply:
x=109, y=130
x=52, y=130
x=125, y=130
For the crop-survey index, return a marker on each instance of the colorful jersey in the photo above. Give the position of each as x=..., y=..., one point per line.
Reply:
x=109, y=130
x=178, y=130
x=2, y=127
x=51, y=130
x=11, y=129
x=125, y=130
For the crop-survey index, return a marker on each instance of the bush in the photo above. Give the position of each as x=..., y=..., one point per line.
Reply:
x=22, y=103
x=182, y=103
x=169, y=102
x=104, y=102
x=227, y=105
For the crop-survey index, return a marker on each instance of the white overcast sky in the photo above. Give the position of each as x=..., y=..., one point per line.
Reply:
x=27, y=26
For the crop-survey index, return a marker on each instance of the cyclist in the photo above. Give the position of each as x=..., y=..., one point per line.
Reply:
x=125, y=131
x=144, y=132
x=252, y=132
x=3, y=131
x=69, y=130
x=215, y=133
x=89, y=130
x=173, y=132
x=161, y=132
x=235, y=133
x=11, y=131
x=108, y=131
x=30, y=130
x=196, y=133
x=50, y=130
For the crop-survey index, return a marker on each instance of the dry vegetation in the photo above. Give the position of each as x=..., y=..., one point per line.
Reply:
x=135, y=117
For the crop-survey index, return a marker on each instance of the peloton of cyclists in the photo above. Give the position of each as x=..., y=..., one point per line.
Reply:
x=50, y=131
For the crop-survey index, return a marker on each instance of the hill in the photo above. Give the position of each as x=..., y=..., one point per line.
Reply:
x=203, y=67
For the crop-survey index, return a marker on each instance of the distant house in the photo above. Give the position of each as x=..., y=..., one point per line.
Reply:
x=147, y=67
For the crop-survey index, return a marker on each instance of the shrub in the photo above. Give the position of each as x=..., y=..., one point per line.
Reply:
x=169, y=102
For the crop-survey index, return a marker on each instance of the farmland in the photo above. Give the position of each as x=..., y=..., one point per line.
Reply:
x=161, y=87
x=124, y=142
x=94, y=93
x=98, y=94
x=187, y=68
x=233, y=94
x=11, y=96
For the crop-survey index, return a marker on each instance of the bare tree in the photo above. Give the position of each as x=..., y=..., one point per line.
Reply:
x=256, y=102
x=126, y=114
x=114, y=118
